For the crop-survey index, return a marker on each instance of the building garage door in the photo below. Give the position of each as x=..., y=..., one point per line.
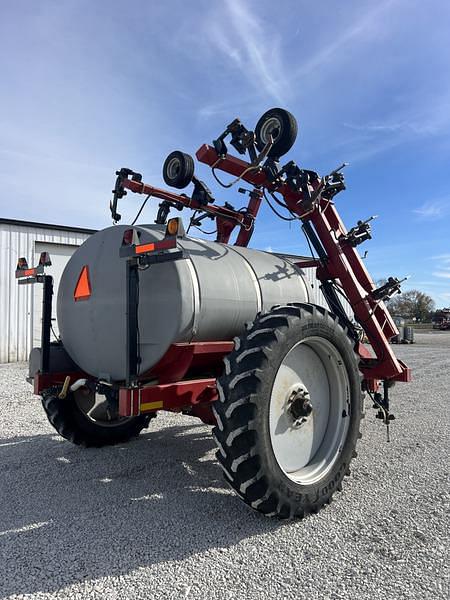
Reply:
x=59, y=255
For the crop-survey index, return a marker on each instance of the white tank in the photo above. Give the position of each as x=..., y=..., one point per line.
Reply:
x=208, y=295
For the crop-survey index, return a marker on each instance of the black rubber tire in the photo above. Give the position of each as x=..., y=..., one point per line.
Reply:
x=178, y=169
x=73, y=425
x=242, y=411
x=285, y=136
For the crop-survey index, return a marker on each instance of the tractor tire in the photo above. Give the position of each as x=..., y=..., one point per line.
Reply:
x=289, y=410
x=178, y=169
x=283, y=127
x=74, y=423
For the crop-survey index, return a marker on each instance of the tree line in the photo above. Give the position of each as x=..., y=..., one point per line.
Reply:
x=412, y=305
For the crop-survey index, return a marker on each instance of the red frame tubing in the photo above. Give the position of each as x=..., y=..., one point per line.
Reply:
x=226, y=218
x=343, y=264
x=180, y=386
x=173, y=392
x=195, y=357
x=175, y=397
x=245, y=233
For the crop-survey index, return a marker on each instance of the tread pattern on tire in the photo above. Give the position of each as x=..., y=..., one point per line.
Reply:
x=75, y=427
x=240, y=387
x=184, y=177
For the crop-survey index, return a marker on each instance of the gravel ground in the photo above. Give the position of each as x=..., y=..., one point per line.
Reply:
x=154, y=519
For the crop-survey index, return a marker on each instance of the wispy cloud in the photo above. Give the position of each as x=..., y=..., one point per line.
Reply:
x=376, y=127
x=361, y=28
x=241, y=36
x=441, y=267
x=433, y=209
x=225, y=109
x=371, y=36
x=419, y=127
x=213, y=110
x=442, y=257
x=430, y=118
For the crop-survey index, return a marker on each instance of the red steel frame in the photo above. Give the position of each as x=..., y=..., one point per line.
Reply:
x=226, y=218
x=343, y=264
x=180, y=386
x=180, y=382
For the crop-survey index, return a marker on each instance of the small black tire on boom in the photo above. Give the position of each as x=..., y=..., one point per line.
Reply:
x=178, y=169
x=282, y=125
x=289, y=411
x=95, y=427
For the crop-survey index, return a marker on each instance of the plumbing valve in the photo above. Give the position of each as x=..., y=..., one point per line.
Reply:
x=360, y=233
x=388, y=289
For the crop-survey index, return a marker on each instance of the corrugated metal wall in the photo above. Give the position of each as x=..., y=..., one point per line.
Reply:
x=16, y=302
x=319, y=297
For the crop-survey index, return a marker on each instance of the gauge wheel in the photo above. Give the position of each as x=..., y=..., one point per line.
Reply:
x=282, y=126
x=289, y=411
x=178, y=169
x=87, y=419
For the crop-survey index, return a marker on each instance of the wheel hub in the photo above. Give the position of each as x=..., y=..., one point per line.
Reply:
x=271, y=128
x=173, y=168
x=307, y=436
x=299, y=406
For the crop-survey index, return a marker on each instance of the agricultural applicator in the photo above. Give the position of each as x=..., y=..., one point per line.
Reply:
x=152, y=319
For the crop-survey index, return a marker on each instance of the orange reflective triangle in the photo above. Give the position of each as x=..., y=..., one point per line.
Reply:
x=83, y=287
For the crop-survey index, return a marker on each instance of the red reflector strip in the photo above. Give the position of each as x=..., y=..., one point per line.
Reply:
x=145, y=248
x=25, y=272
x=83, y=288
x=162, y=245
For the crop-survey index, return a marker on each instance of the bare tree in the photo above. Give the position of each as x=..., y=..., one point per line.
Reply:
x=412, y=304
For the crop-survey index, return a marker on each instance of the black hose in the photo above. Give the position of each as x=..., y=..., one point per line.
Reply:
x=275, y=210
x=140, y=210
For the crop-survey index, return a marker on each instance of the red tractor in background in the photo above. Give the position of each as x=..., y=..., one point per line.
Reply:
x=441, y=319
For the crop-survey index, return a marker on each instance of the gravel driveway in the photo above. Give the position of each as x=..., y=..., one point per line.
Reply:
x=153, y=519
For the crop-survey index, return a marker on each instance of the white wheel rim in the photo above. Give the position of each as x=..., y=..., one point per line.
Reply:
x=173, y=168
x=268, y=127
x=306, y=452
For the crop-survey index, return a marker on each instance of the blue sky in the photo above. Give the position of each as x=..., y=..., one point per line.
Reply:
x=90, y=86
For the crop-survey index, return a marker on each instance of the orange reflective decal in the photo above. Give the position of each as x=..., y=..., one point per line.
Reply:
x=144, y=248
x=83, y=287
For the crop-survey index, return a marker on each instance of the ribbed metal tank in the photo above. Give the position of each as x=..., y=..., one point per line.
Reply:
x=208, y=295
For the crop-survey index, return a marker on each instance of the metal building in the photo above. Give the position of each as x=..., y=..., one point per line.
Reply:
x=20, y=306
